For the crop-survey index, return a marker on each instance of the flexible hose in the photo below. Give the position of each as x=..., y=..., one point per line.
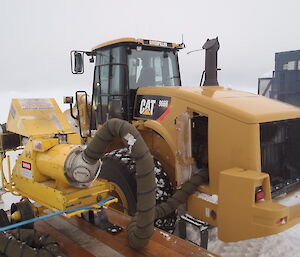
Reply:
x=142, y=224
x=29, y=243
x=181, y=195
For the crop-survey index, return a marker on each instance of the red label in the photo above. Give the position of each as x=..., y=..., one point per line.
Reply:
x=26, y=165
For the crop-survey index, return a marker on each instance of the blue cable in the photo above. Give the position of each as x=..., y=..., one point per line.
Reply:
x=25, y=222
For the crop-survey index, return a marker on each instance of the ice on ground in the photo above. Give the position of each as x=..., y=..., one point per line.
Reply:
x=206, y=197
x=166, y=235
x=8, y=199
x=283, y=244
x=290, y=200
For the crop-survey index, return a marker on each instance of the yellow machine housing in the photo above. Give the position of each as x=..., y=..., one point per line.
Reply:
x=166, y=115
x=40, y=172
x=234, y=157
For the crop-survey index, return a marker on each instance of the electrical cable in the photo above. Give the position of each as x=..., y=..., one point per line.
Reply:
x=25, y=222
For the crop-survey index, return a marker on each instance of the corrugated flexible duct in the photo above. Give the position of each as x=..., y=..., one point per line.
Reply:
x=142, y=224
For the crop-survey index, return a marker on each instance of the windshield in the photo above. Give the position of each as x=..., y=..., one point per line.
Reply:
x=152, y=68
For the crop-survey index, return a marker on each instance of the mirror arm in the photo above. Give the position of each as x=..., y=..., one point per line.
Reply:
x=91, y=53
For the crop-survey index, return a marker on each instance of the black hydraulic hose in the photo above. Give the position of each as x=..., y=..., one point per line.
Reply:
x=181, y=195
x=142, y=225
x=29, y=243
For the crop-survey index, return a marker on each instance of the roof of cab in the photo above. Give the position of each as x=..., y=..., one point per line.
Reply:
x=140, y=41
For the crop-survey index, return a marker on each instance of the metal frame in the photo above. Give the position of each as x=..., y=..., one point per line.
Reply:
x=201, y=225
x=7, y=184
x=78, y=112
x=267, y=87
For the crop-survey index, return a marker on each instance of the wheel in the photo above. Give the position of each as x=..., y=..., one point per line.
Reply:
x=4, y=221
x=164, y=190
x=26, y=211
x=119, y=168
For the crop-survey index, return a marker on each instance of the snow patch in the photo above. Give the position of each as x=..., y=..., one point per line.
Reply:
x=206, y=197
x=166, y=235
x=290, y=199
x=284, y=244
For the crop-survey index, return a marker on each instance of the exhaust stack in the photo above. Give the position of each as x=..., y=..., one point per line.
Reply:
x=211, y=63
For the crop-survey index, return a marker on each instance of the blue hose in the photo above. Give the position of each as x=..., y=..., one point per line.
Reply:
x=25, y=222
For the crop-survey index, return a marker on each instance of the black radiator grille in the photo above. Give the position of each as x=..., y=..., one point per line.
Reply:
x=280, y=154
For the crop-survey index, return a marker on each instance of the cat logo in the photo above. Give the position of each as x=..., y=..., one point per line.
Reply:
x=147, y=107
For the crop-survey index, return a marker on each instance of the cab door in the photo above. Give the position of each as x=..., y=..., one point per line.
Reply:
x=110, y=93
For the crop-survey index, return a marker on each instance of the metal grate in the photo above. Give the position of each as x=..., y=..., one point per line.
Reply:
x=280, y=151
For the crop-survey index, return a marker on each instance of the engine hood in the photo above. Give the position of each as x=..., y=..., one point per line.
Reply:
x=243, y=106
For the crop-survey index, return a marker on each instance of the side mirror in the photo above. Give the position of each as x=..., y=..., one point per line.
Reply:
x=77, y=63
x=68, y=99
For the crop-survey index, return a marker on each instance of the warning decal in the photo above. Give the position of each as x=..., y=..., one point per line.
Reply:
x=36, y=104
x=27, y=169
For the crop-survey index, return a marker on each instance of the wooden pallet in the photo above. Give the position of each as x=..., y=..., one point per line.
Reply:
x=78, y=238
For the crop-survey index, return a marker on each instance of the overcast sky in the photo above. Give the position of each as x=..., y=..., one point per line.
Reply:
x=37, y=36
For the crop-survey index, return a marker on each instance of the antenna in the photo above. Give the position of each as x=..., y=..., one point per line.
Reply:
x=195, y=51
x=181, y=45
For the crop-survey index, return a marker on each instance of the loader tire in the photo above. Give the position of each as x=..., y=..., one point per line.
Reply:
x=119, y=168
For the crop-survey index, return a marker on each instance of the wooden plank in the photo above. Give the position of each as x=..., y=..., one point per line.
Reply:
x=80, y=238
x=170, y=241
x=160, y=244
x=67, y=246
x=84, y=240
x=179, y=245
x=118, y=242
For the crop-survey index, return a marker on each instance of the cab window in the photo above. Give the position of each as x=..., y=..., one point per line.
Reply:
x=152, y=68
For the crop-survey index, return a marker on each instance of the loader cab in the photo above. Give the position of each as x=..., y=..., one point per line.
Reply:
x=123, y=66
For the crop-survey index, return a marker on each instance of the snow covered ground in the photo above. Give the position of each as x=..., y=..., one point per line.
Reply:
x=283, y=244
